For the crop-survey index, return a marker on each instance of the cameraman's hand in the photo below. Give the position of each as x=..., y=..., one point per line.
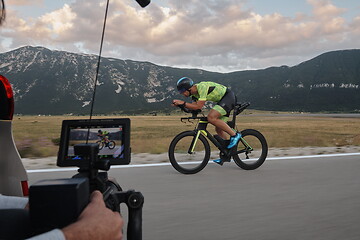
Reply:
x=95, y=222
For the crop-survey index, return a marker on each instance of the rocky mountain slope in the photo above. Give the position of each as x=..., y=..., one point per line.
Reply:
x=58, y=82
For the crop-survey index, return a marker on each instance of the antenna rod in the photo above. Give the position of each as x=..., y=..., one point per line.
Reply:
x=99, y=59
x=98, y=66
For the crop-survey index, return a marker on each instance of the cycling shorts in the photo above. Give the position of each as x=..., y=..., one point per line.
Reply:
x=225, y=105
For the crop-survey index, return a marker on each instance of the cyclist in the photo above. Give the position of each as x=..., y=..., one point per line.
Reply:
x=210, y=91
x=104, y=136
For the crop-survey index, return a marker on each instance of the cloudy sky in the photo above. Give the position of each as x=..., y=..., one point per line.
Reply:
x=216, y=35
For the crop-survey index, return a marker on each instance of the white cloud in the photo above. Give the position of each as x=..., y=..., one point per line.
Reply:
x=59, y=21
x=212, y=34
x=324, y=9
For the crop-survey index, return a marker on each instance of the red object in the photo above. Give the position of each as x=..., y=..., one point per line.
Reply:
x=25, y=188
x=6, y=109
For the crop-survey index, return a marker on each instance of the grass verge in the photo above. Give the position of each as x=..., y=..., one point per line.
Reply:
x=38, y=136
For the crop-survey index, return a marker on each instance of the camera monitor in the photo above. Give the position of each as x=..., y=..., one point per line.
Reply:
x=112, y=136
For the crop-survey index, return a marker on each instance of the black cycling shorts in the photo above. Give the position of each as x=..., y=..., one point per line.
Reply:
x=227, y=103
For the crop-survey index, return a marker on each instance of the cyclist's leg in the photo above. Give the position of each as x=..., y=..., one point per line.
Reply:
x=221, y=133
x=224, y=107
x=219, y=115
x=215, y=118
x=221, y=128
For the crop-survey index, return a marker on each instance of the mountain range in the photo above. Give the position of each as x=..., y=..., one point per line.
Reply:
x=57, y=82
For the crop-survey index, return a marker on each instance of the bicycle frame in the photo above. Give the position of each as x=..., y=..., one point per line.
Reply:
x=201, y=128
x=202, y=125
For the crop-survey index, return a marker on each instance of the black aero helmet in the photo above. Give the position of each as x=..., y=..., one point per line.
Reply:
x=184, y=84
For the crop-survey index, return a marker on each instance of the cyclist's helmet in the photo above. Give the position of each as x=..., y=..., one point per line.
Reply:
x=184, y=84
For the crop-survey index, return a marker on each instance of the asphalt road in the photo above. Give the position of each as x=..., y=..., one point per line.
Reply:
x=284, y=199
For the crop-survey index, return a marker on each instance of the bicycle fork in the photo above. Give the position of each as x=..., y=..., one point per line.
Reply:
x=201, y=130
x=194, y=141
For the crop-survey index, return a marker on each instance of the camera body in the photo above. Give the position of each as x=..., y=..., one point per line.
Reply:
x=57, y=203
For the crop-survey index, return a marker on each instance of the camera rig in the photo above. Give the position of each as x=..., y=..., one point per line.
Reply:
x=58, y=202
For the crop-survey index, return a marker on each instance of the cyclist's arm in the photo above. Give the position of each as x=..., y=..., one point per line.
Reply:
x=192, y=106
x=195, y=105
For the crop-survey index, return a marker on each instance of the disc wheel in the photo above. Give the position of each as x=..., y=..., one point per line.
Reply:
x=251, y=150
x=111, y=144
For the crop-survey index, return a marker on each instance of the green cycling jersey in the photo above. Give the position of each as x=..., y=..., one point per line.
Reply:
x=209, y=91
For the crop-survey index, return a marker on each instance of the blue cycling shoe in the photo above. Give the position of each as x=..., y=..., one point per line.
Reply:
x=218, y=161
x=234, y=140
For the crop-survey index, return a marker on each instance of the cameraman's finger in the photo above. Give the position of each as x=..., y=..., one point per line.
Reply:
x=96, y=197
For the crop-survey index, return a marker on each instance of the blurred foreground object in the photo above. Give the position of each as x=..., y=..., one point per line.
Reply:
x=13, y=177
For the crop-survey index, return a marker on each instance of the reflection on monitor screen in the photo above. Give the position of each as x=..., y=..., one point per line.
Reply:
x=109, y=140
x=111, y=135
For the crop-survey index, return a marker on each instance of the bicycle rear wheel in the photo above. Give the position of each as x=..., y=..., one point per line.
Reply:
x=111, y=144
x=183, y=159
x=251, y=150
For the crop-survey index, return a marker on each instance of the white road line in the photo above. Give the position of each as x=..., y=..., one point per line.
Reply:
x=167, y=164
x=315, y=156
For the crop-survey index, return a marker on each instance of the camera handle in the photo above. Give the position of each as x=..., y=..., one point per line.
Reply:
x=111, y=190
x=114, y=196
x=134, y=201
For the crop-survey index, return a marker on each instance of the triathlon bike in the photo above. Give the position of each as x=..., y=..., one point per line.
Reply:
x=189, y=152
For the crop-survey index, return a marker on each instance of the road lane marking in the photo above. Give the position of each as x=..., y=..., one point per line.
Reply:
x=168, y=163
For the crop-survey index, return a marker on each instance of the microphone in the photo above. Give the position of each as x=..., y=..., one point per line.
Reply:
x=143, y=3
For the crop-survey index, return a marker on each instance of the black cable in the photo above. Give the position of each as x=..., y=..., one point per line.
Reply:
x=99, y=59
x=143, y=3
x=98, y=67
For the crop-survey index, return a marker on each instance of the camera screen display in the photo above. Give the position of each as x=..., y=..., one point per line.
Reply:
x=111, y=135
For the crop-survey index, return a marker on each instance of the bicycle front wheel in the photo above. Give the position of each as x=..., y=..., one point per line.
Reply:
x=188, y=155
x=101, y=144
x=251, y=150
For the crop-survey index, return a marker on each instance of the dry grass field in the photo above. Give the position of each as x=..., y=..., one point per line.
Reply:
x=37, y=136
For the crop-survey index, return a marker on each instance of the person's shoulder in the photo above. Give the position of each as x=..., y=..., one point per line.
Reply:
x=204, y=83
x=208, y=83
